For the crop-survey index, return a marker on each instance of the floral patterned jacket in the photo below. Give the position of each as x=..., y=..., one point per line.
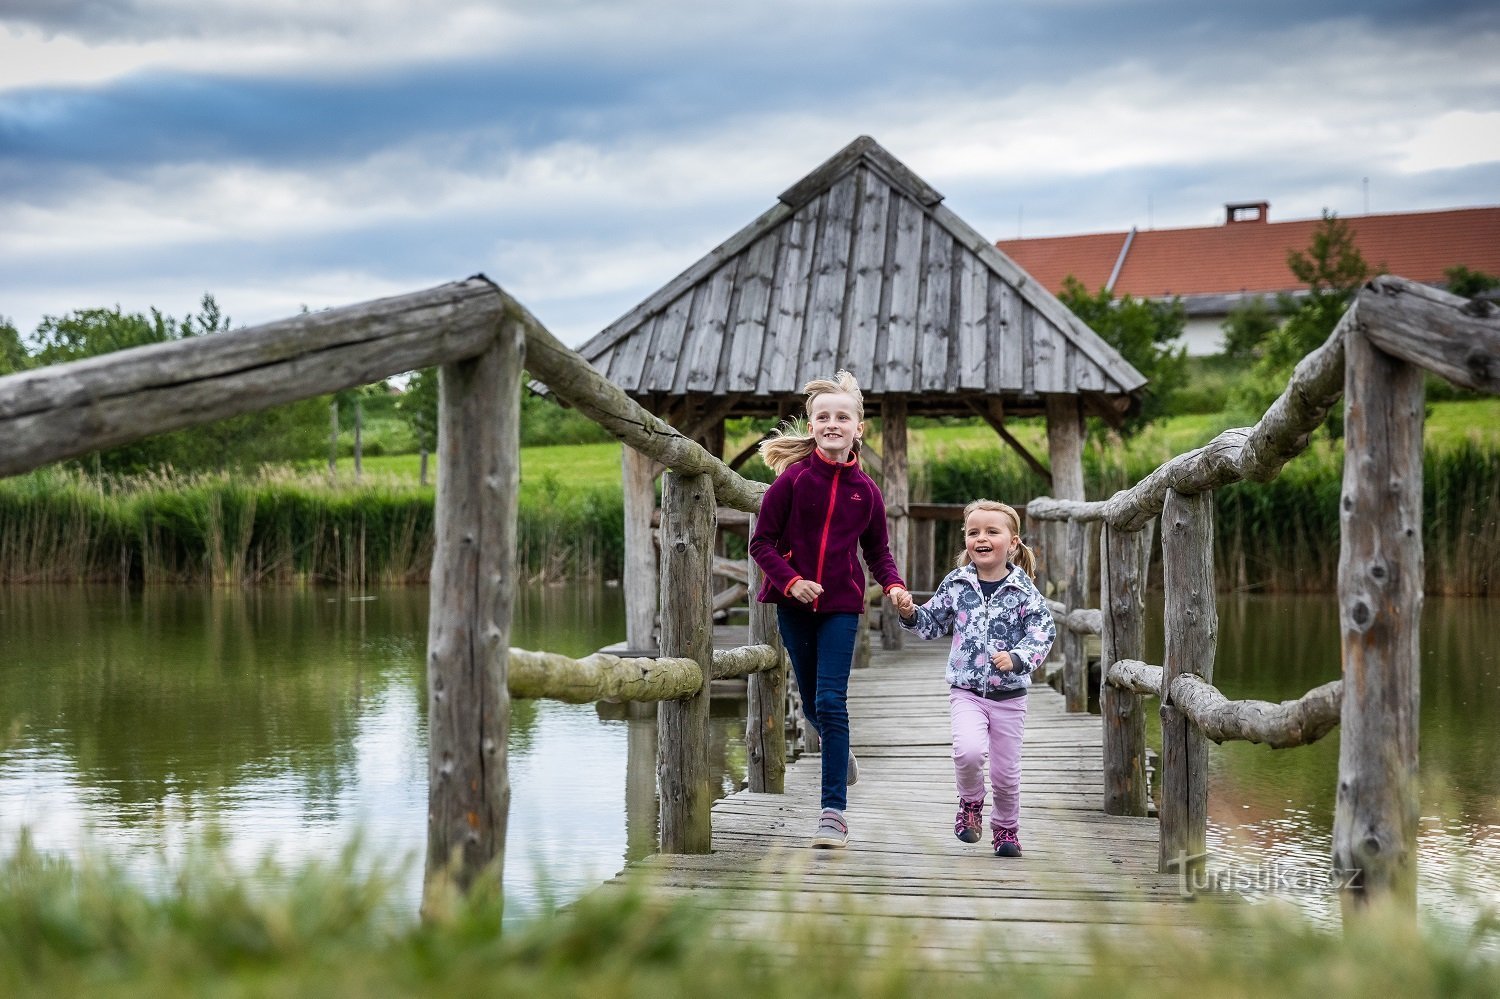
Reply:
x=1015, y=619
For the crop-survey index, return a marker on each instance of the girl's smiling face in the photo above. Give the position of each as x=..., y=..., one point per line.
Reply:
x=990, y=539
x=833, y=419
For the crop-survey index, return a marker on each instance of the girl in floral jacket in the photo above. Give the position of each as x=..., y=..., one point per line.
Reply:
x=1002, y=630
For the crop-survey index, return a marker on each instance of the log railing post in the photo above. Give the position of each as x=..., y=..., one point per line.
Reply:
x=1380, y=604
x=1067, y=561
x=897, y=500
x=468, y=635
x=1191, y=625
x=638, y=486
x=765, y=710
x=687, y=545
x=1122, y=598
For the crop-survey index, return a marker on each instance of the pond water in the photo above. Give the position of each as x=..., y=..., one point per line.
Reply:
x=135, y=723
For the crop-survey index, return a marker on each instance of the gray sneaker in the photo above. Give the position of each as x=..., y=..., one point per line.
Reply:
x=853, y=777
x=833, y=831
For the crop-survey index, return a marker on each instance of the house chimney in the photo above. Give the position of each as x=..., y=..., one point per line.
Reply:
x=1247, y=211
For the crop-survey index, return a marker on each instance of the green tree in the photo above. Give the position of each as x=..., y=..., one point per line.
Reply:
x=1333, y=269
x=1148, y=334
x=13, y=354
x=1470, y=284
x=1246, y=328
x=418, y=407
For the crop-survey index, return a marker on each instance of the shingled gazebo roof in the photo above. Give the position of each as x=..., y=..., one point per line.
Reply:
x=860, y=266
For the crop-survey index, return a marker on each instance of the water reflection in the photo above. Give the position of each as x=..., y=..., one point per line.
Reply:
x=136, y=722
x=1271, y=811
x=296, y=719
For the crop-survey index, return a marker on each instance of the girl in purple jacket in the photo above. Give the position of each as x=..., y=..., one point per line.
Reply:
x=820, y=507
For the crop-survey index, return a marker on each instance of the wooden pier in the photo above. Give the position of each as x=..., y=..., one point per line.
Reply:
x=904, y=873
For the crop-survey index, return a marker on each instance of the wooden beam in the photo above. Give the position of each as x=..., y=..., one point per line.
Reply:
x=472, y=594
x=1457, y=338
x=1067, y=552
x=638, y=487
x=1122, y=636
x=1380, y=608
x=992, y=411
x=64, y=410
x=1289, y=723
x=897, y=496
x=1192, y=626
x=765, y=710
x=687, y=534
x=1256, y=453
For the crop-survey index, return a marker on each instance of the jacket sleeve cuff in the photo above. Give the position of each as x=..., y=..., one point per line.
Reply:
x=894, y=585
x=786, y=590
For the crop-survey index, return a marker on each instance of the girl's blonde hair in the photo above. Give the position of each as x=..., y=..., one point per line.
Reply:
x=1025, y=557
x=792, y=441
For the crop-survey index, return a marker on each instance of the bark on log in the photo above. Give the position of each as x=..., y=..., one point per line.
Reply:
x=766, y=697
x=65, y=410
x=1082, y=621
x=1122, y=636
x=1455, y=337
x=897, y=498
x=1380, y=605
x=601, y=677
x=1191, y=625
x=1069, y=561
x=1257, y=453
x=473, y=591
x=687, y=532
x=1289, y=723
x=638, y=486
x=1134, y=675
x=574, y=381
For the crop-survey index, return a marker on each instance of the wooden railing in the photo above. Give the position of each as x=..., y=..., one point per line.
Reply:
x=1375, y=358
x=481, y=338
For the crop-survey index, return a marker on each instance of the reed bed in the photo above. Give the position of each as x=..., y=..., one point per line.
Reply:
x=278, y=527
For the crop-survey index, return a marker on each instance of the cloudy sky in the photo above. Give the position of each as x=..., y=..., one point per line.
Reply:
x=280, y=154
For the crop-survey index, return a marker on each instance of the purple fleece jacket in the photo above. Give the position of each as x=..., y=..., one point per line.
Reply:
x=810, y=520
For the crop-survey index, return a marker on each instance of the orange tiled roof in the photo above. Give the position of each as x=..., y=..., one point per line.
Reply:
x=1251, y=256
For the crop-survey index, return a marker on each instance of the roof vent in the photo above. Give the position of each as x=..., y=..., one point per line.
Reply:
x=1247, y=211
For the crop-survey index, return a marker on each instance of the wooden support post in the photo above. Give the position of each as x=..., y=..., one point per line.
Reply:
x=1122, y=599
x=468, y=634
x=1068, y=562
x=765, y=710
x=1380, y=606
x=1192, y=626
x=897, y=499
x=687, y=544
x=638, y=482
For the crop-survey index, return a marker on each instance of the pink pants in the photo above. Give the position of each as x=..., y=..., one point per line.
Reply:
x=996, y=727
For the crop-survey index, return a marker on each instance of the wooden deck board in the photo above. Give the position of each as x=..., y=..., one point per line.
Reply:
x=904, y=878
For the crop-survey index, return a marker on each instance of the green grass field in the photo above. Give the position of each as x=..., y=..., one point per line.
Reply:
x=581, y=466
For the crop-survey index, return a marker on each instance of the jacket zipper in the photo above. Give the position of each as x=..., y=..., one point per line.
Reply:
x=833, y=495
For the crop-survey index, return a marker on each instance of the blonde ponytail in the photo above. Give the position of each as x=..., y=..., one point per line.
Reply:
x=792, y=441
x=1024, y=557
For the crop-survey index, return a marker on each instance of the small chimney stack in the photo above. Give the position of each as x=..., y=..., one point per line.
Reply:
x=1236, y=212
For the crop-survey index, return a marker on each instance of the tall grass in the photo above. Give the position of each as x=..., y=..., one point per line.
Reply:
x=278, y=527
x=335, y=929
x=1282, y=535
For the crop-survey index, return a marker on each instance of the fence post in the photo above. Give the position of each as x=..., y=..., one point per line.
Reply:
x=638, y=478
x=1192, y=625
x=687, y=546
x=897, y=501
x=765, y=710
x=1380, y=606
x=468, y=633
x=1122, y=560
x=1067, y=559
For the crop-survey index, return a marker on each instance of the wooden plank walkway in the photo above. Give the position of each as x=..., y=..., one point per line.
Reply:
x=904, y=873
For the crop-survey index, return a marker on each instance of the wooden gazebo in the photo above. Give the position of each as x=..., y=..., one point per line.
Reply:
x=858, y=265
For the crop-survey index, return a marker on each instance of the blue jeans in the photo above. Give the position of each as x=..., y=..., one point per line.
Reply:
x=821, y=647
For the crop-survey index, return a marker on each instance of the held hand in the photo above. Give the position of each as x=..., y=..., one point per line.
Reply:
x=901, y=599
x=806, y=590
x=1002, y=661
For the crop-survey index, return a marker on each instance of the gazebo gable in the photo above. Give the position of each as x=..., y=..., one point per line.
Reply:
x=859, y=265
